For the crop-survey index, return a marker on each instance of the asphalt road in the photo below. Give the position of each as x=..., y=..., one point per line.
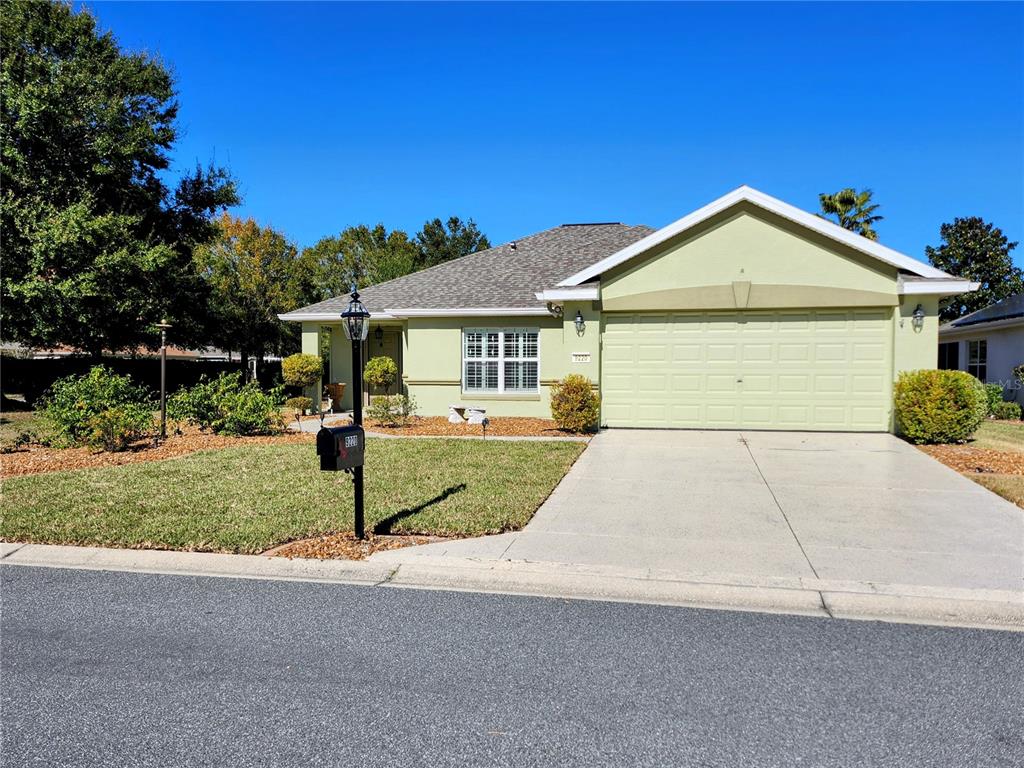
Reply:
x=119, y=669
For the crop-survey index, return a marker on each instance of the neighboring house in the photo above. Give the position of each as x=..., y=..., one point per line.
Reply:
x=988, y=343
x=747, y=313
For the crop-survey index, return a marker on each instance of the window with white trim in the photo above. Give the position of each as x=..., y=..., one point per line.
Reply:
x=500, y=360
x=977, y=359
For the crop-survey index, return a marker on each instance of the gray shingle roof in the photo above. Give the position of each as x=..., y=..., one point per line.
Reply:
x=1010, y=307
x=500, y=276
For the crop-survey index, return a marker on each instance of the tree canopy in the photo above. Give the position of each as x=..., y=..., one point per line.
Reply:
x=852, y=210
x=97, y=246
x=972, y=248
x=441, y=241
x=367, y=255
x=371, y=255
x=253, y=274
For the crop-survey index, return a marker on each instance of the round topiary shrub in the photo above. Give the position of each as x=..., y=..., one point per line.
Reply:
x=380, y=372
x=939, y=406
x=298, y=405
x=574, y=403
x=302, y=370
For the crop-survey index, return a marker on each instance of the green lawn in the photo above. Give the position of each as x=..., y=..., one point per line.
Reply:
x=248, y=499
x=1000, y=436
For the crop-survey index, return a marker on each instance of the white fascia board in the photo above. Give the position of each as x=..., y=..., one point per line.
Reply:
x=326, y=317
x=470, y=312
x=776, y=206
x=940, y=287
x=588, y=293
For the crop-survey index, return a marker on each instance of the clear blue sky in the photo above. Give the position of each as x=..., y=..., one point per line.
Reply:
x=527, y=116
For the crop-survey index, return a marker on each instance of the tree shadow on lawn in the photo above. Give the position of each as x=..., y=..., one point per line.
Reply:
x=383, y=528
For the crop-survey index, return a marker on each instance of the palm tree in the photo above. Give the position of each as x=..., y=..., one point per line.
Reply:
x=853, y=211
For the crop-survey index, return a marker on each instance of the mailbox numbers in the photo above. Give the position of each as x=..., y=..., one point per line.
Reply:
x=351, y=441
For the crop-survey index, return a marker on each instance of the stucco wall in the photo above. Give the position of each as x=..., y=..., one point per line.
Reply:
x=914, y=349
x=1005, y=350
x=433, y=360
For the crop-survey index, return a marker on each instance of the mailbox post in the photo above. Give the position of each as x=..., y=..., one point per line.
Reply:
x=356, y=322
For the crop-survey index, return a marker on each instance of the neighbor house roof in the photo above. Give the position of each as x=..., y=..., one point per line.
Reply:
x=506, y=277
x=1010, y=308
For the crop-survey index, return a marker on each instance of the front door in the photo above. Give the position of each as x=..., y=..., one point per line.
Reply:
x=389, y=345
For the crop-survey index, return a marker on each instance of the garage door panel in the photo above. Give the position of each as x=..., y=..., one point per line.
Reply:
x=815, y=369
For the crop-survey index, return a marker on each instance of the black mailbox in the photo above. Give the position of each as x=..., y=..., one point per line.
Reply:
x=340, y=447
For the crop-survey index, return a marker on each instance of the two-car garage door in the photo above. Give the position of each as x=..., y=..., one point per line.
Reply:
x=808, y=369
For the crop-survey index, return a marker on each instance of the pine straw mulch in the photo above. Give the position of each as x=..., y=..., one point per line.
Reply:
x=38, y=459
x=969, y=460
x=345, y=546
x=501, y=426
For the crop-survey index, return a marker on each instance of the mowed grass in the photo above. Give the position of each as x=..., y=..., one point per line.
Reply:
x=249, y=499
x=1000, y=436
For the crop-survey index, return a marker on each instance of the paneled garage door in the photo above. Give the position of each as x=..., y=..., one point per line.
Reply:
x=813, y=369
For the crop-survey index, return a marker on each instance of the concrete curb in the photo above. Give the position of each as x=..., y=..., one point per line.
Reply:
x=987, y=609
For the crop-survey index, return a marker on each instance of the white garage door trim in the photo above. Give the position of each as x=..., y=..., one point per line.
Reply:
x=815, y=369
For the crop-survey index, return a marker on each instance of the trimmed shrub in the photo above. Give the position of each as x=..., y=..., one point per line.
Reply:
x=299, y=405
x=77, y=406
x=228, y=407
x=575, y=404
x=380, y=372
x=118, y=427
x=939, y=406
x=994, y=395
x=302, y=370
x=391, y=410
x=1007, y=411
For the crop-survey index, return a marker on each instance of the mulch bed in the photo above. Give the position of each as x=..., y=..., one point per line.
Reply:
x=37, y=459
x=969, y=460
x=502, y=426
x=345, y=546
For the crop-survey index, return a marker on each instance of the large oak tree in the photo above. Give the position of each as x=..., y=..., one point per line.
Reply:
x=97, y=246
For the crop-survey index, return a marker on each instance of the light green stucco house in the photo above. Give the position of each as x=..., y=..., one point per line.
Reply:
x=747, y=313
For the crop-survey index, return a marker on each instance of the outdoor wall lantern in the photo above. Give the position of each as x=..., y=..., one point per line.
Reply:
x=917, y=320
x=580, y=325
x=378, y=334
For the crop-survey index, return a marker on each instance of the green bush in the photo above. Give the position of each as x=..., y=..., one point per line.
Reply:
x=391, y=410
x=939, y=406
x=1007, y=411
x=118, y=427
x=73, y=403
x=302, y=370
x=226, y=406
x=380, y=372
x=299, y=404
x=994, y=395
x=575, y=404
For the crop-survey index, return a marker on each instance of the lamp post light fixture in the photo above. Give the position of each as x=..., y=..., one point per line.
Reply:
x=356, y=322
x=163, y=325
x=917, y=319
x=580, y=325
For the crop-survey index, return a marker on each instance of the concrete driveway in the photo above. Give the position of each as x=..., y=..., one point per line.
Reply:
x=836, y=507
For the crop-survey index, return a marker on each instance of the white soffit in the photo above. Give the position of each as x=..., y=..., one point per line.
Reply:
x=776, y=206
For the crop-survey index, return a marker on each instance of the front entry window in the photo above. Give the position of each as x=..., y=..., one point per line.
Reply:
x=977, y=359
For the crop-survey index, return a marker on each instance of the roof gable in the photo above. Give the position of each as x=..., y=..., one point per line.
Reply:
x=748, y=195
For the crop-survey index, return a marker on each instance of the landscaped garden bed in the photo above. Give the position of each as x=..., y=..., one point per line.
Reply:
x=994, y=458
x=255, y=495
x=501, y=426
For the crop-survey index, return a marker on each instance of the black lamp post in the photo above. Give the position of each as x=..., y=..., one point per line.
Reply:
x=356, y=322
x=163, y=325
